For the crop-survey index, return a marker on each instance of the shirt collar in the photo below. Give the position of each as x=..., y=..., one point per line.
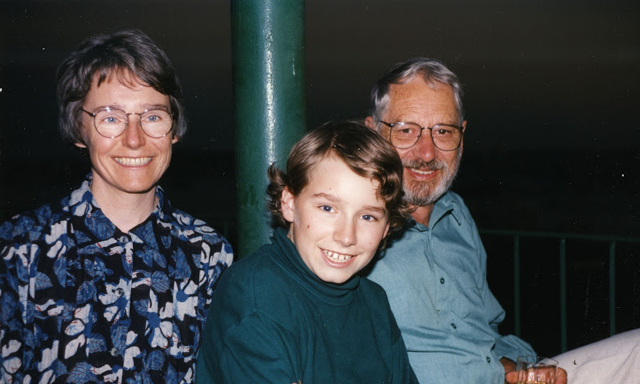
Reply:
x=446, y=205
x=83, y=206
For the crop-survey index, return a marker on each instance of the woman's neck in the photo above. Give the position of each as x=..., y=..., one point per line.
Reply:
x=125, y=210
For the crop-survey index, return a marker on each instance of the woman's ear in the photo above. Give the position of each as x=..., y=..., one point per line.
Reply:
x=286, y=204
x=81, y=139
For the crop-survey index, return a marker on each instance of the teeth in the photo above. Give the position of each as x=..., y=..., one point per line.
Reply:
x=421, y=172
x=133, y=161
x=337, y=257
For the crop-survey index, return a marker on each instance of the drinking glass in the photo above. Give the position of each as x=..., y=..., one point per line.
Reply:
x=536, y=370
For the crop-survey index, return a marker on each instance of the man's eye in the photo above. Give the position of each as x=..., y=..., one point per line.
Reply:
x=443, y=132
x=326, y=208
x=406, y=130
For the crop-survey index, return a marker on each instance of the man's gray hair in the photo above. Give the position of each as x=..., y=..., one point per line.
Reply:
x=433, y=72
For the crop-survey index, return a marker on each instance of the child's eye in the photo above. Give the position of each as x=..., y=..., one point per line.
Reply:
x=326, y=208
x=369, y=218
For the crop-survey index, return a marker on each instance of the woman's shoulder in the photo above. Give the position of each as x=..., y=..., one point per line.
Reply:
x=188, y=224
x=32, y=225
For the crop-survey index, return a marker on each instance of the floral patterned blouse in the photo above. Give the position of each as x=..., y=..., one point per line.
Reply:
x=81, y=301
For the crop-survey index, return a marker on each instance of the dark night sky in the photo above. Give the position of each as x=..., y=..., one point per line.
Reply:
x=552, y=91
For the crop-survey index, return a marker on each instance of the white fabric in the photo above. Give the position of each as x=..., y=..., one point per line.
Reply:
x=615, y=360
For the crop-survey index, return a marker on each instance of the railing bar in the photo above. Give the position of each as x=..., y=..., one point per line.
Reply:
x=563, y=295
x=563, y=237
x=558, y=235
x=516, y=283
x=612, y=288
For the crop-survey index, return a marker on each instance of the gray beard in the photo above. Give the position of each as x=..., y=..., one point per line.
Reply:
x=422, y=194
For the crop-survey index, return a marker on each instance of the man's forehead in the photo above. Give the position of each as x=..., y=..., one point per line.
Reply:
x=418, y=95
x=418, y=87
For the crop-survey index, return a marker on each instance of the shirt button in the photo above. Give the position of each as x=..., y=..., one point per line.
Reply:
x=442, y=280
x=488, y=359
x=453, y=325
x=124, y=239
x=120, y=292
x=114, y=352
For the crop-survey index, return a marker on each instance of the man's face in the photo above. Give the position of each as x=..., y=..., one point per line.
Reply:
x=428, y=171
x=133, y=162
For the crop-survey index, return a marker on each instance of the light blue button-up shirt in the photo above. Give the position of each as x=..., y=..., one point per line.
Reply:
x=436, y=282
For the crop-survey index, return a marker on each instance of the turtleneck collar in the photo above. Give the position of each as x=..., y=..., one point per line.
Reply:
x=288, y=257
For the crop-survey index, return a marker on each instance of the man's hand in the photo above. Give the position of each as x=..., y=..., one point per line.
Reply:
x=511, y=377
x=509, y=370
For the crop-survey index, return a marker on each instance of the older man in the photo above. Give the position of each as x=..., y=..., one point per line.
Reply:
x=111, y=284
x=435, y=271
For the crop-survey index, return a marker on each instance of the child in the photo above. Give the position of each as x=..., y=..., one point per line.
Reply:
x=295, y=311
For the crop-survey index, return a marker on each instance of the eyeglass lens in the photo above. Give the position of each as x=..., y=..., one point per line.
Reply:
x=112, y=122
x=406, y=135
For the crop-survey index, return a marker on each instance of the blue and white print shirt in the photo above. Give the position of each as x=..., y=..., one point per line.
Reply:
x=81, y=301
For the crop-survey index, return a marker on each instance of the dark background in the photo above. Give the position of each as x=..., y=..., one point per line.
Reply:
x=551, y=95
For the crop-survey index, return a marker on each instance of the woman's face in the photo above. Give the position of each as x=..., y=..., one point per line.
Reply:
x=337, y=221
x=133, y=162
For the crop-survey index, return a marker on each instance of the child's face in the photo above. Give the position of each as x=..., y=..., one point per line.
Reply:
x=337, y=221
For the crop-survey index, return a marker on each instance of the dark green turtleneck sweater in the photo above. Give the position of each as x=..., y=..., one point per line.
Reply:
x=272, y=320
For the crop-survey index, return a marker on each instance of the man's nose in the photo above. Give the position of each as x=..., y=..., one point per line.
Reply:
x=424, y=149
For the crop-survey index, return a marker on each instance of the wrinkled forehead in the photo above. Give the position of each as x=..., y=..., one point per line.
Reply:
x=419, y=97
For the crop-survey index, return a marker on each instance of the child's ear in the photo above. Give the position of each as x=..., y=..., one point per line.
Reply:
x=286, y=204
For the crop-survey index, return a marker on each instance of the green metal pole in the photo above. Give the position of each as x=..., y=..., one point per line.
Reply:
x=269, y=103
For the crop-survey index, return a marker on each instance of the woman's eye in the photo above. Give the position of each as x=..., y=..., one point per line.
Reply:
x=110, y=119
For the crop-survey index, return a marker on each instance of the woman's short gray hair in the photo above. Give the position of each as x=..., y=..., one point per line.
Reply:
x=122, y=53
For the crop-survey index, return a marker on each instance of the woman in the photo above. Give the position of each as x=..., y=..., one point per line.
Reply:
x=295, y=311
x=111, y=284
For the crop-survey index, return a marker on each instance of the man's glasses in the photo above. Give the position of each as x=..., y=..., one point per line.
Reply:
x=111, y=122
x=446, y=137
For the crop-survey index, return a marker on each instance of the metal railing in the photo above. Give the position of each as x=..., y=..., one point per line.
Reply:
x=612, y=242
